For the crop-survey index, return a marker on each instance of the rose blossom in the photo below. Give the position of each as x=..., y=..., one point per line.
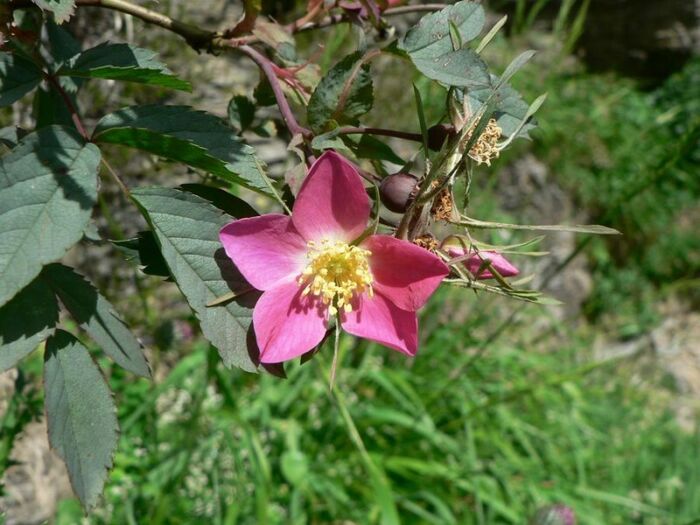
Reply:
x=311, y=267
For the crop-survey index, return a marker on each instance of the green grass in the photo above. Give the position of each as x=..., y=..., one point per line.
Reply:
x=466, y=433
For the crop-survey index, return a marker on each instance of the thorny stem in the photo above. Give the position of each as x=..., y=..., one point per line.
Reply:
x=266, y=66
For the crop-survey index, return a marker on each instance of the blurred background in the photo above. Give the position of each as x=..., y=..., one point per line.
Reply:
x=508, y=407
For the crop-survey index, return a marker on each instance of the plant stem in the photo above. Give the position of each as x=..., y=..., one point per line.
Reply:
x=69, y=104
x=264, y=63
x=358, y=130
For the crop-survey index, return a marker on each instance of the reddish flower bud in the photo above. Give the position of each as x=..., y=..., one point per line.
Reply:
x=554, y=515
x=437, y=135
x=476, y=261
x=397, y=190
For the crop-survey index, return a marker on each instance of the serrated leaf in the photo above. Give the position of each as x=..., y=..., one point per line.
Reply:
x=145, y=252
x=18, y=76
x=81, y=415
x=461, y=68
x=183, y=134
x=510, y=108
x=62, y=9
x=222, y=199
x=339, y=96
x=187, y=228
x=62, y=47
x=97, y=317
x=431, y=36
x=48, y=186
x=430, y=44
x=123, y=62
x=26, y=321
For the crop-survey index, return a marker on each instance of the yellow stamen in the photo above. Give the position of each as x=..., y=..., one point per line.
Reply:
x=337, y=272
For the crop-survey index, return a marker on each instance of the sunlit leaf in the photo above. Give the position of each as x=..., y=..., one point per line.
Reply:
x=187, y=229
x=123, y=62
x=183, y=134
x=48, y=186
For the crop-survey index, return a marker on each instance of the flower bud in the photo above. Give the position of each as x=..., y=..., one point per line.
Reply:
x=437, y=135
x=476, y=261
x=554, y=515
x=397, y=190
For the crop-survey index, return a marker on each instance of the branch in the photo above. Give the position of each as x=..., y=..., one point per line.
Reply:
x=75, y=117
x=359, y=130
x=199, y=38
x=287, y=114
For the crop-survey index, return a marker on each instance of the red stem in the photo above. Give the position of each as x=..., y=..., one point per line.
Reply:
x=71, y=107
x=268, y=69
x=352, y=130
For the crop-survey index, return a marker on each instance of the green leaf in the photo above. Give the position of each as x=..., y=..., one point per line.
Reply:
x=97, y=317
x=576, y=228
x=81, y=416
x=431, y=36
x=343, y=94
x=225, y=201
x=430, y=44
x=145, y=252
x=510, y=108
x=50, y=109
x=182, y=134
x=241, y=112
x=10, y=137
x=123, y=62
x=48, y=186
x=369, y=147
x=18, y=76
x=62, y=9
x=187, y=228
x=26, y=321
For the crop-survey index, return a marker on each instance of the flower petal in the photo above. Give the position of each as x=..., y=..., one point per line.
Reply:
x=403, y=272
x=332, y=203
x=474, y=262
x=286, y=324
x=265, y=249
x=378, y=319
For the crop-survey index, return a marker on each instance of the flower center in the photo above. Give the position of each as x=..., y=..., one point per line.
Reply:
x=336, y=272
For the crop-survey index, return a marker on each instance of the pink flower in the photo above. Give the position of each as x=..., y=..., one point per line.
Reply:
x=310, y=267
x=476, y=260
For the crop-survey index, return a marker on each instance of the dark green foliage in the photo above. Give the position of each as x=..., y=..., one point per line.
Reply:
x=27, y=320
x=18, y=76
x=183, y=134
x=343, y=94
x=81, y=416
x=145, y=252
x=97, y=317
x=48, y=185
x=123, y=62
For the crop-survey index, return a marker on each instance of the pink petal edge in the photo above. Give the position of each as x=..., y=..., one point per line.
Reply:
x=474, y=262
x=332, y=203
x=287, y=325
x=404, y=273
x=265, y=249
x=378, y=319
